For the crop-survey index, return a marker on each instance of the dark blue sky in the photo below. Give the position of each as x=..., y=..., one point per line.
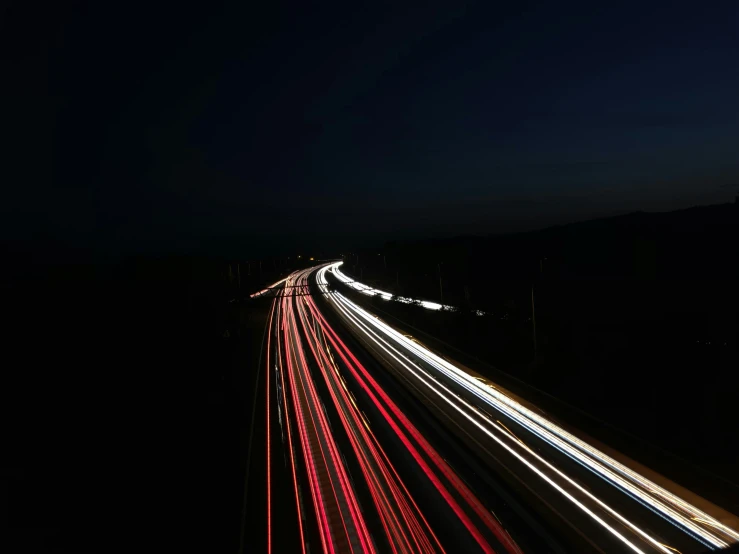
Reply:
x=292, y=124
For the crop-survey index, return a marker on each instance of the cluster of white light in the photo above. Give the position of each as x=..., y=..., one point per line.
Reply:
x=686, y=516
x=273, y=285
x=369, y=291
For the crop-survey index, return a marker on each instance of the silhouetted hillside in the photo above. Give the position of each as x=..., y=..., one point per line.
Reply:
x=695, y=242
x=636, y=316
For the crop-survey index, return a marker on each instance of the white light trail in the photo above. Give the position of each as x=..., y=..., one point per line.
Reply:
x=273, y=285
x=454, y=400
x=369, y=291
x=671, y=507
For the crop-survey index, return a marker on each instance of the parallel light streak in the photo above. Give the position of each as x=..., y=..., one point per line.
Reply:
x=674, y=509
x=290, y=444
x=273, y=285
x=269, y=446
x=453, y=403
x=368, y=453
x=369, y=291
x=316, y=432
x=386, y=406
x=404, y=525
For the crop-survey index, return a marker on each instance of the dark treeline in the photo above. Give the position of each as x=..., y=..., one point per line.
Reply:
x=128, y=387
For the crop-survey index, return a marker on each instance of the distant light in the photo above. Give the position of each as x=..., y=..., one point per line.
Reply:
x=298, y=257
x=311, y=259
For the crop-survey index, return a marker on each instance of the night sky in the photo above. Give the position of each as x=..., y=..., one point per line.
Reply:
x=275, y=126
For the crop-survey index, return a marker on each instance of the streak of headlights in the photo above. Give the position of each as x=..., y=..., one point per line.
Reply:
x=369, y=291
x=672, y=508
x=273, y=285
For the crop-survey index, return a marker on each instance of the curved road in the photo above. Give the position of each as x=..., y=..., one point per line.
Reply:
x=359, y=421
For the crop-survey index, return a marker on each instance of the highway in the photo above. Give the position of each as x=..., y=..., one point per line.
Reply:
x=367, y=477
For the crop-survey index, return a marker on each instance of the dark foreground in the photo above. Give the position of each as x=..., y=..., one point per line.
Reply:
x=128, y=406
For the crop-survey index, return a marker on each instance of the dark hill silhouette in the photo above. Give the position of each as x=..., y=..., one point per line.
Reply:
x=636, y=317
x=621, y=246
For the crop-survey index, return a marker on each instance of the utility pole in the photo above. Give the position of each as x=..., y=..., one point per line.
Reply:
x=441, y=290
x=533, y=318
x=533, y=310
x=238, y=273
x=385, y=261
x=260, y=268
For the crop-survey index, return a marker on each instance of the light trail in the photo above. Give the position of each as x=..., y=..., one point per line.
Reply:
x=386, y=407
x=369, y=291
x=688, y=518
x=376, y=473
x=453, y=402
x=290, y=442
x=341, y=526
x=344, y=527
x=273, y=285
x=411, y=530
x=316, y=493
x=269, y=446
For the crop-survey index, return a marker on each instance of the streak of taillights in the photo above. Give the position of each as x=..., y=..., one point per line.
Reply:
x=410, y=531
x=290, y=446
x=301, y=385
x=346, y=487
x=269, y=446
x=363, y=377
x=316, y=495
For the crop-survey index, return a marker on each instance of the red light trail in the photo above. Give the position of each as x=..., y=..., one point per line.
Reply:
x=341, y=523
